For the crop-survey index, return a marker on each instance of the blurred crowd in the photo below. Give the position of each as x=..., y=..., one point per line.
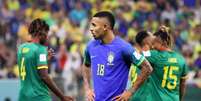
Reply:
x=69, y=31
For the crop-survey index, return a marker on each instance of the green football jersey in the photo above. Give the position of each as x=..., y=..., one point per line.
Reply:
x=168, y=69
x=31, y=57
x=143, y=91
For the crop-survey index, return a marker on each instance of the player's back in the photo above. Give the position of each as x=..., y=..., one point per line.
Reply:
x=169, y=67
x=32, y=87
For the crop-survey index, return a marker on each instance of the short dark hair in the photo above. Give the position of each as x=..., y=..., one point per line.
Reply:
x=164, y=34
x=141, y=36
x=107, y=15
x=38, y=26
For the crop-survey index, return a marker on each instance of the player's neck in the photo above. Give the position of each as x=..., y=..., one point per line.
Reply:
x=108, y=38
x=165, y=49
x=35, y=40
x=145, y=48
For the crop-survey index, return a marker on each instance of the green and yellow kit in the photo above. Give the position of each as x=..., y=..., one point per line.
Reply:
x=169, y=68
x=31, y=57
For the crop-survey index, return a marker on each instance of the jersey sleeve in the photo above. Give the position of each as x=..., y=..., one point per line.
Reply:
x=87, y=60
x=131, y=55
x=42, y=58
x=184, y=72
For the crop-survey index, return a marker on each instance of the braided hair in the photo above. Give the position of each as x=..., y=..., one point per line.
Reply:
x=164, y=34
x=38, y=27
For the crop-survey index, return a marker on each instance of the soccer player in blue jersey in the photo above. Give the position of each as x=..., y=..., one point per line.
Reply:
x=107, y=60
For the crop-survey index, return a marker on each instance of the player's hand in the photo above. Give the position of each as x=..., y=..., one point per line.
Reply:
x=90, y=95
x=67, y=98
x=125, y=96
x=51, y=53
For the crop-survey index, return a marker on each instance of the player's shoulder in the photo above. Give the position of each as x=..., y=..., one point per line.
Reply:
x=20, y=46
x=40, y=48
x=93, y=42
x=122, y=44
x=34, y=46
x=26, y=44
x=179, y=56
x=120, y=41
x=151, y=53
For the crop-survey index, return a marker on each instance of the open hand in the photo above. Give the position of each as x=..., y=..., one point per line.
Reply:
x=67, y=98
x=90, y=95
x=125, y=96
x=51, y=53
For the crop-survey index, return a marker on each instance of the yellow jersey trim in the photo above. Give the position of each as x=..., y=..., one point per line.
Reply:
x=42, y=67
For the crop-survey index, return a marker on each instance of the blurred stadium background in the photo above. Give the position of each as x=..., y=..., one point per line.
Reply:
x=69, y=22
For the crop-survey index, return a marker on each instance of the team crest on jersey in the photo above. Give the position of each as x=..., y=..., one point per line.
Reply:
x=25, y=50
x=110, y=58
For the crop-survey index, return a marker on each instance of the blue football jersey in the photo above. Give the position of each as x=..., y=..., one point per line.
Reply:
x=110, y=65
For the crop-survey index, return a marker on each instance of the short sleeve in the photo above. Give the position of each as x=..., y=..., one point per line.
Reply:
x=87, y=60
x=42, y=58
x=131, y=55
x=185, y=71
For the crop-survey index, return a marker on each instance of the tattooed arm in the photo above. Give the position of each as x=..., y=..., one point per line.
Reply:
x=146, y=70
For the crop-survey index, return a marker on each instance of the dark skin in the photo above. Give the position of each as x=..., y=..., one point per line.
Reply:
x=146, y=70
x=146, y=43
x=158, y=44
x=86, y=72
x=182, y=88
x=43, y=73
x=100, y=29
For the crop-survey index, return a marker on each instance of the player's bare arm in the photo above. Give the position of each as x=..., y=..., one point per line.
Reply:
x=51, y=85
x=146, y=70
x=86, y=72
x=182, y=88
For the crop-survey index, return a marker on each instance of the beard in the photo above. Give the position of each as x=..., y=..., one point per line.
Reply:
x=96, y=38
x=100, y=37
x=43, y=39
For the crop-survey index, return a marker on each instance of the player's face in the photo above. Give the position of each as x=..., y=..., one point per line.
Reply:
x=148, y=42
x=98, y=27
x=43, y=37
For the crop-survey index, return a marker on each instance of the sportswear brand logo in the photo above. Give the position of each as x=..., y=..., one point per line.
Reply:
x=93, y=57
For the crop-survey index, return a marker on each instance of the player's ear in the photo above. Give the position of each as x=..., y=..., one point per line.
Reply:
x=105, y=27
